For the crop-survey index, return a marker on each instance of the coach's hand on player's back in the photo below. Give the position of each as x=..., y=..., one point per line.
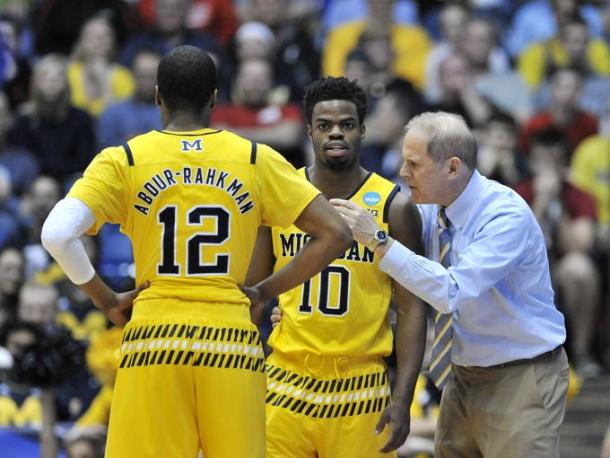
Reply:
x=398, y=416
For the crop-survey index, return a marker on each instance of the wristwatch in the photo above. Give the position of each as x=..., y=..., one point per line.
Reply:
x=379, y=238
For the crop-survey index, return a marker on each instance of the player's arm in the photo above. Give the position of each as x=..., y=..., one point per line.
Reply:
x=330, y=236
x=69, y=219
x=261, y=266
x=405, y=226
x=263, y=260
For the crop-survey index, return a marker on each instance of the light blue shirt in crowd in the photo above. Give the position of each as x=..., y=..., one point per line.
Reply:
x=498, y=286
x=124, y=120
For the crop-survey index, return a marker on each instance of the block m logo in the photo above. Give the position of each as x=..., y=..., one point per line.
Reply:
x=188, y=145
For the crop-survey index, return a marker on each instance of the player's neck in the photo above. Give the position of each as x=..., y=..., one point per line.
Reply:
x=337, y=183
x=184, y=121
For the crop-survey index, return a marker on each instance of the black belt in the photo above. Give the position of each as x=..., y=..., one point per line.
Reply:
x=547, y=354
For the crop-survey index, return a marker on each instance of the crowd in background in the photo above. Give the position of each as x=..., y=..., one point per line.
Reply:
x=531, y=78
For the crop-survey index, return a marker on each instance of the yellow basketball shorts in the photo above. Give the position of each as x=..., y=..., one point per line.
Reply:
x=191, y=377
x=325, y=407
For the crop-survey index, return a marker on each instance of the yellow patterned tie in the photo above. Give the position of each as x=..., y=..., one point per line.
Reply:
x=440, y=366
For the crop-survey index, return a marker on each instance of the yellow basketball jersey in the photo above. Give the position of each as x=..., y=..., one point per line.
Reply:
x=191, y=203
x=342, y=310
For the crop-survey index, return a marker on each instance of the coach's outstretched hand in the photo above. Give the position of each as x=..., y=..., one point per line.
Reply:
x=398, y=416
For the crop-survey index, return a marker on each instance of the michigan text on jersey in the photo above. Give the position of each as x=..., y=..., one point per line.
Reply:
x=193, y=176
x=292, y=243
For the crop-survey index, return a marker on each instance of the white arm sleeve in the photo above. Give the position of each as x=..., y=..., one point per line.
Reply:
x=68, y=220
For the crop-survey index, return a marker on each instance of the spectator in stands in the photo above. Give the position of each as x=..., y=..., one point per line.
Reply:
x=409, y=42
x=17, y=86
x=20, y=163
x=567, y=216
x=296, y=60
x=12, y=226
x=253, y=40
x=169, y=31
x=61, y=137
x=358, y=68
x=337, y=12
x=37, y=304
x=572, y=47
x=452, y=18
x=498, y=157
x=137, y=115
x=492, y=76
x=35, y=207
x=458, y=92
x=254, y=115
x=590, y=170
x=563, y=112
x=479, y=46
x=20, y=406
x=379, y=53
x=17, y=169
x=216, y=17
x=62, y=375
x=95, y=80
x=539, y=20
x=57, y=24
x=11, y=279
x=8, y=64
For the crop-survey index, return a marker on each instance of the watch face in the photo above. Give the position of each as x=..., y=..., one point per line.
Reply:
x=381, y=236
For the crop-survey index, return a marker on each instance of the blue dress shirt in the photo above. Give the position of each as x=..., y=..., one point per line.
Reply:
x=498, y=286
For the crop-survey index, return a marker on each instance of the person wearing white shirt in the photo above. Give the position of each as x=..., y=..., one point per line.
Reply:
x=506, y=377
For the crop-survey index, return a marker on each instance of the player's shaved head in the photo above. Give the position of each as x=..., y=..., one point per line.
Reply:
x=186, y=79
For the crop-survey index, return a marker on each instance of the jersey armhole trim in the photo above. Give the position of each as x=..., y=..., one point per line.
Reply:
x=388, y=202
x=128, y=154
x=253, y=153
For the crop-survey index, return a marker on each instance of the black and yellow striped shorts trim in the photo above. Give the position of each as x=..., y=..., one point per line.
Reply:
x=191, y=345
x=332, y=398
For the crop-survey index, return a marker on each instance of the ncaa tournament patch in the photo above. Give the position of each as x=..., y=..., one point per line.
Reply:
x=371, y=198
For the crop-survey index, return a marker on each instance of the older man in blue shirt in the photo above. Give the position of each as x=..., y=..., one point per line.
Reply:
x=498, y=336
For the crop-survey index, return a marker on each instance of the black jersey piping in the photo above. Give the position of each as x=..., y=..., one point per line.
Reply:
x=177, y=134
x=128, y=154
x=358, y=188
x=253, y=153
x=388, y=202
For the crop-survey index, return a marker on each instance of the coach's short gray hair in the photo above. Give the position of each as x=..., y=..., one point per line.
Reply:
x=448, y=135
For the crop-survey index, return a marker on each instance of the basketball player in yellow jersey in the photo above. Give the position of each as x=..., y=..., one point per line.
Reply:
x=191, y=199
x=327, y=385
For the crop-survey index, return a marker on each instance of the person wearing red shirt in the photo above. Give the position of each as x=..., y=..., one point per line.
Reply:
x=567, y=216
x=257, y=114
x=563, y=112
